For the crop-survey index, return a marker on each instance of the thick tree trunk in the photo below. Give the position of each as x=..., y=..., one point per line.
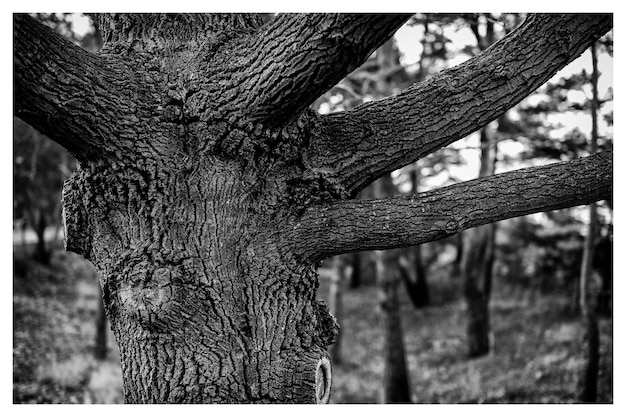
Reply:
x=205, y=305
x=205, y=297
x=206, y=191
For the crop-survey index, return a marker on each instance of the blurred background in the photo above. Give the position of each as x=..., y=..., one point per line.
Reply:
x=493, y=314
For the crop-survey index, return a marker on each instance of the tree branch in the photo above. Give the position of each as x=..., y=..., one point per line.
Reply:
x=357, y=146
x=299, y=57
x=347, y=226
x=64, y=92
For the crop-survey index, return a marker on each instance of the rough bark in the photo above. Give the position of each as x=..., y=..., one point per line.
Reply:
x=80, y=100
x=278, y=83
x=359, y=145
x=336, y=277
x=191, y=198
x=347, y=226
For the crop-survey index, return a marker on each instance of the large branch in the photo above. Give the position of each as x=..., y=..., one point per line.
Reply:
x=65, y=92
x=299, y=57
x=352, y=225
x=357, y=146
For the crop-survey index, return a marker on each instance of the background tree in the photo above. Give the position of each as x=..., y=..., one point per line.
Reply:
x=592, y=334
x=478, y=258
x=39, y=169
x=207, y=190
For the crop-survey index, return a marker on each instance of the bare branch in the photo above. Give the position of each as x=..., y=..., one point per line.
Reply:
x=299, y=57
x=348, y=226
x=357, y=146
x=64, y=91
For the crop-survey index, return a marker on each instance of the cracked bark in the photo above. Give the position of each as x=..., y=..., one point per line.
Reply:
x=357, y=146
x=204, y=219
x=346, y=226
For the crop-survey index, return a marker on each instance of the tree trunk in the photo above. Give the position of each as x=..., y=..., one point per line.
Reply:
x=418, y=290
x=589, y=389
x=456, y=265
x=100, y=351
x=206, y=301
x=42, y=254
x=355, y=275
x=477, y=265
x=396, y=387
x=207, y=191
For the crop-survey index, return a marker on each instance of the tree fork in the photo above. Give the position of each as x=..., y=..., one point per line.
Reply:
x=203, y=210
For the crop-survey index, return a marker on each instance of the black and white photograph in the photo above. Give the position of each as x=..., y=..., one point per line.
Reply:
x=312, y=207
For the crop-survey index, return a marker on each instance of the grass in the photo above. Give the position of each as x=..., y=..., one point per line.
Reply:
x=536, y=355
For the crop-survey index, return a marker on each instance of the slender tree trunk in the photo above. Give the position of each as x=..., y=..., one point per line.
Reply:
x=477, y=265
x=456, y=265
x=419, y=292
x=396, y=387
x=605, y=264
x=100, y=351
x=589, y=389
x=42, y=253
x=355, y=275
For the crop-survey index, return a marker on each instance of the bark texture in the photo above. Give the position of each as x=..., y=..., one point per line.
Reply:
x=361, y=144
x=345, y=226
x=206, y=189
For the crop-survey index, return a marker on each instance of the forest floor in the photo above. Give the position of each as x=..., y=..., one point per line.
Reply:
x=536, y=355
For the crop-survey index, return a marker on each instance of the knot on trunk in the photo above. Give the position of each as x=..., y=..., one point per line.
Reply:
x=152, y=300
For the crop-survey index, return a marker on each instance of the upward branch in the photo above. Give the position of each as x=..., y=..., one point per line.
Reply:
x=299, y=57
x=359, y=145
x=352, y=225
x=64, y=92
